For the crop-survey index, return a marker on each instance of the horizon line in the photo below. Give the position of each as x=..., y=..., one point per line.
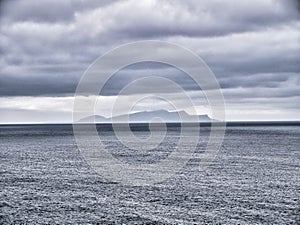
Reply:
x=175, y=122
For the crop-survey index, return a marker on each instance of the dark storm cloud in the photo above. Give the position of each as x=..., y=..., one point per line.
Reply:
x=257, y=80
x=262, y=59
x=32, y=86
x=47, y=45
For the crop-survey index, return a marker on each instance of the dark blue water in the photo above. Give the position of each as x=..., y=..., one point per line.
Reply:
x=254, y=179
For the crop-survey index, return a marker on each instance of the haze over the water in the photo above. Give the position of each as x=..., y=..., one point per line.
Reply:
x=252, y=47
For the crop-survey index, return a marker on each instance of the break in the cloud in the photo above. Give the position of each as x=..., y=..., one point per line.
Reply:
x=253, y=47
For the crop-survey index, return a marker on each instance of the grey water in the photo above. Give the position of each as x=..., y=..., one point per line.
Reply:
x=253, y=180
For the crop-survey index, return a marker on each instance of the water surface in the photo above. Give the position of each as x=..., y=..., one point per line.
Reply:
x=254, y=179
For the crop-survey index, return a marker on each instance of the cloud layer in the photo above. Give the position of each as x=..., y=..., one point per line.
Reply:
x=253, y=47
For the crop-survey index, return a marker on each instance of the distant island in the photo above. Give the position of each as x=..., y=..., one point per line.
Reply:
x=147, y=117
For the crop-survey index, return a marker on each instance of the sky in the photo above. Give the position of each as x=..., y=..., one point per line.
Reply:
x=252, y=47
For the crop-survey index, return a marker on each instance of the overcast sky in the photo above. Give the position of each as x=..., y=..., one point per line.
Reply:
x=253, y=48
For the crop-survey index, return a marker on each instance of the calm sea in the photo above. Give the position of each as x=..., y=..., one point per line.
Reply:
x=254, y=179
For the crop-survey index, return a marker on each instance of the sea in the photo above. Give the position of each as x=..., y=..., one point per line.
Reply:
x=254, y=178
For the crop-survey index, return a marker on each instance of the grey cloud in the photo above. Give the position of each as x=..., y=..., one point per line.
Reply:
x=249, y=63
x=47, y=45
x=62, y=80
x=267, y=80
x=208, y=18
x=36, y=11
x=49, y=11
x=33, y=86
x=255, y=93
